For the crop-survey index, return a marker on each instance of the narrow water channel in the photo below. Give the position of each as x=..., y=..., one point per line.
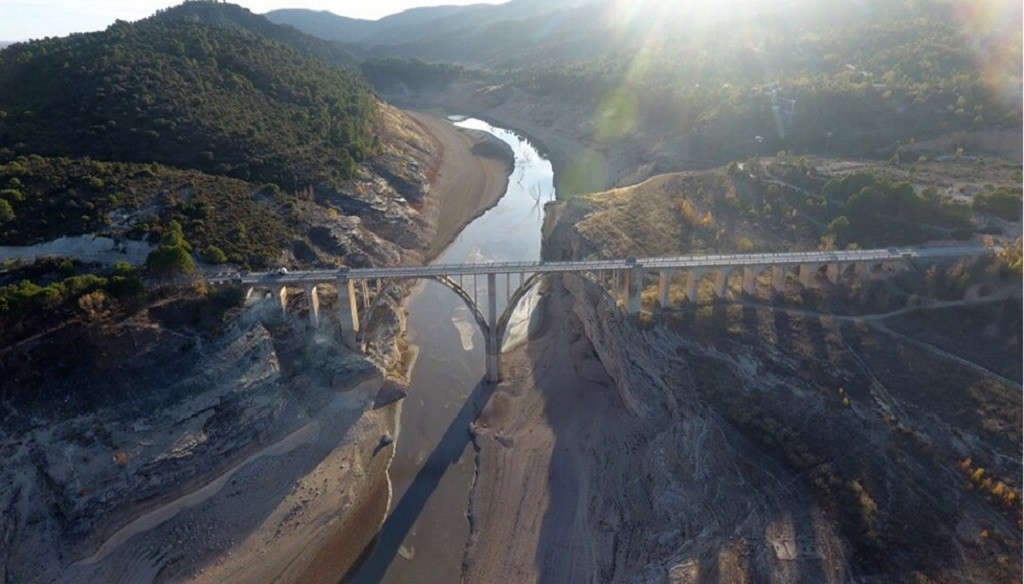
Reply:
x=425, y=534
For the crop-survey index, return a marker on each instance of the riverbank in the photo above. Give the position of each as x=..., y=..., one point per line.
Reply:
x=272, y=470
x=553, y=439
x=560, y=131
x=335, y=526
x=470, y=177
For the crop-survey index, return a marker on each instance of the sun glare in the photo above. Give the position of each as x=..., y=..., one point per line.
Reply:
x=628, y=11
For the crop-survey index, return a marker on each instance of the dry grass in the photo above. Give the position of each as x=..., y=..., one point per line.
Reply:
x=652, y=218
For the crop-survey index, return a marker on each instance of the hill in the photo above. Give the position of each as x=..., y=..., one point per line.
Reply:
x=198, y=86
x=413, y=25
x=677, y=87
x=321, y=23
x=233, y=16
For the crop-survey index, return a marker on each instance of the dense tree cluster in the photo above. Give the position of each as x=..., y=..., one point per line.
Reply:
x=414, y=74
x=837, y=78
x=867, y=209
x=176, y=90
x=122, y=283
x=1003, y=203
x=248, y=224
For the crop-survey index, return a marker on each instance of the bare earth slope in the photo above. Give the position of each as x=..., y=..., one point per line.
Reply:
x=246, y=453
x=471, y=177
x=573, y=487
x=741, y=462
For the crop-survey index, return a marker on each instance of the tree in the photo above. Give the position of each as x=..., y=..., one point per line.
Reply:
x=6, y=212
x=95, y=306
x=175, y=236
x=168, y=261
x=840, y=228
x=126, y=283
x=214, y=255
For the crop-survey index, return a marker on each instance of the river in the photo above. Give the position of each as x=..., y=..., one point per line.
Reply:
x=424, y=537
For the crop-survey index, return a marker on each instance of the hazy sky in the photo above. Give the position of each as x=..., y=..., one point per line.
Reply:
x=30, y=19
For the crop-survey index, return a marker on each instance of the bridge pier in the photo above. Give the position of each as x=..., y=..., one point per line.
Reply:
x=492, y=345
x=832, y=272
x=693, y=285
x=807, y=272
x=862, y=272
x=366, y=294
x=721, y=277
x=280, y=294
x=665, y=286
x=778, y=279
x=348, y=311
x=616, y=285
x=313, y=302
x=633, y=288
x=749, y=278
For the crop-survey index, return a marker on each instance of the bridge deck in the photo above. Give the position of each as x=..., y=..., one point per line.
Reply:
x=298, y=278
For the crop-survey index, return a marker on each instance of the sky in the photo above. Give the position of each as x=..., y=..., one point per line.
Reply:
x=32, y=19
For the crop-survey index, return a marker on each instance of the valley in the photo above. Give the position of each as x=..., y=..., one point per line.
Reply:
x=839, y=427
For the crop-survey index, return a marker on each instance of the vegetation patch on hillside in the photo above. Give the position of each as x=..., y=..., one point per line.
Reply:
x=179, y=91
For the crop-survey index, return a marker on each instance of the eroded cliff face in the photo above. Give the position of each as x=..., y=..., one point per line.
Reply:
x=734, y=442
x=377, y=217
x=176, y=446
x=95, y=496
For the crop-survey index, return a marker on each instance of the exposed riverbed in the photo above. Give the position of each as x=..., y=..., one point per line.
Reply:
x=424, y=537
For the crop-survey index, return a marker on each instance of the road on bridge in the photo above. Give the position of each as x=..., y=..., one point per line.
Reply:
x=299, y=278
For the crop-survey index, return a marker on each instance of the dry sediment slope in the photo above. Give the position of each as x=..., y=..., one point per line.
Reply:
x=309, y=486
x=471, y=176
x=573, y=486
x=722, y=452
x=581, y=165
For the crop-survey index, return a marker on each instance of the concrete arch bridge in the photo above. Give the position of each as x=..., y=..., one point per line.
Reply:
x=621, y=282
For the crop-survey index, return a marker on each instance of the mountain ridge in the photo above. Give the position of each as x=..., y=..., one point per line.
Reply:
x=412, y=24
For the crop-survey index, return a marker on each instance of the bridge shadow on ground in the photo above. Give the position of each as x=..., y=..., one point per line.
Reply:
x=589, y=467
x=382, y=551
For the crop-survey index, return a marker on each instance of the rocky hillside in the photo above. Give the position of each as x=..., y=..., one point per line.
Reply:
x=862, y=432
x=211, y=136
x=260, y=151
x=762, y=441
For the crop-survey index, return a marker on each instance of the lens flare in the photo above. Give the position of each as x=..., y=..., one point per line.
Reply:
x=993, y=29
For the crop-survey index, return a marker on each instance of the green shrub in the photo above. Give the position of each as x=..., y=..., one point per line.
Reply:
x=226, y=296
x=170, y=260
x=214, y=255
x=12, y=195
x=1002, y=203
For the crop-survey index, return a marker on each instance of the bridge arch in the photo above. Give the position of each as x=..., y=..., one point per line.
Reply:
x=588, y=277
x=367, y=317
x=494, y=333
